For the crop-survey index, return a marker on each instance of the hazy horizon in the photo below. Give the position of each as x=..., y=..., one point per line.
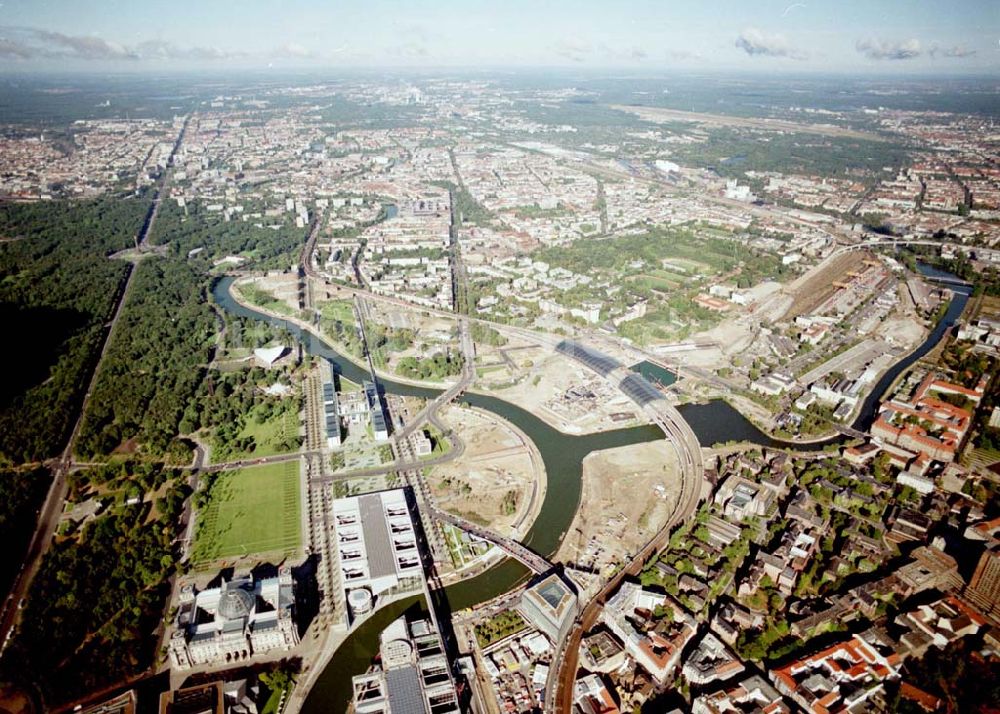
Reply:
x=895, y=37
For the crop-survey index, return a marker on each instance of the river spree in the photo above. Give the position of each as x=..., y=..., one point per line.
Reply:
x=563, y=455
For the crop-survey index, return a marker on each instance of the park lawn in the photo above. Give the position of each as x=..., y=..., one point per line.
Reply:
x=268, y=437
x=342, y=310
x=250, y=510
x=347, y=385
x=454, y=547
x=503, y=624
x=271, y=705
x=670, y=275
x=264, y=299
x=490, y=369
x=692, y=266
x=273, y=432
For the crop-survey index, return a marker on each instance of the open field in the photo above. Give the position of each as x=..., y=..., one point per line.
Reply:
x=664, y=115
x=342, y=310
x=988, y=307
x=628, y=493
x=250, y=511
x=262, y=297
x=902, y=330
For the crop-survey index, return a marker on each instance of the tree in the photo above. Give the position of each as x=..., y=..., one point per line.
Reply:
x=661, y=612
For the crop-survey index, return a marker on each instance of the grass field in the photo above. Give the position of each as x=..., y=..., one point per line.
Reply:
x=262, y=298
x=269, y=437
x=652, y=282
x=252, y=510
x=342, y=310
x=691, y=266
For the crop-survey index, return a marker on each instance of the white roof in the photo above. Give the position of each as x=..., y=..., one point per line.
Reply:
x=268, y=355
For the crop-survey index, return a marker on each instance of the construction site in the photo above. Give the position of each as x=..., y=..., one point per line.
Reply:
x=628, y=494
x=499, y=479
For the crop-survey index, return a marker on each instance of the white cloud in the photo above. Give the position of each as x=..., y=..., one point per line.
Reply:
x=758, y=43
x=163, y=50
x=955, y=51
x=888, y=49
x=574, y=50
x=27, y=43
x=293, y=50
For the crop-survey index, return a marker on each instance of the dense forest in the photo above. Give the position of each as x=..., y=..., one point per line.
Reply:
x=187, y=228
x=95, y=604
x=55, y=275
x=731, y=152
x=21, y=495
x=435, y=368
x=720, y=254
x=154, y=363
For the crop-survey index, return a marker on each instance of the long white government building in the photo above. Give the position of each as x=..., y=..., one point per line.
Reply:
x=377, y=547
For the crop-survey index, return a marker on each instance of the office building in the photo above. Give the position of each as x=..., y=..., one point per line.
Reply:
x=550, y=606
x=985, y=584
x=331, y=416
x=413, y=677
x=377, y=547
x=379, y=419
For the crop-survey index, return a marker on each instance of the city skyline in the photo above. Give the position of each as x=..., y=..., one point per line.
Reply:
x=893, y=37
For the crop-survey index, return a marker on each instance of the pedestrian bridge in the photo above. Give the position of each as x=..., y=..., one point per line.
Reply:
x=511, y=547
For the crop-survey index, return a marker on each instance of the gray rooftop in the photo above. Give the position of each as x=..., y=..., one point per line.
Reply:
x=405, y=695
x=553, y=592
x=381, y=560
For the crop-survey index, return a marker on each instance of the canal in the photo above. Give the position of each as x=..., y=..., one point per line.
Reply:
x=563, y=454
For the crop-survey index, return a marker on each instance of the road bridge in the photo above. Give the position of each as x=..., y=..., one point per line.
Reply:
x=453, y=392
x=891, y=243
x=850, y=431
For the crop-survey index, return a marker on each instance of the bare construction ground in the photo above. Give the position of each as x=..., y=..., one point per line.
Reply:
x=663, y=115
x=986, y=307
x=733, y=336
x=902, y=331
x=500, y=366
x=811, y=289
x=498, y=481
x=628, y=494
x=565, y=394
x=430, y=325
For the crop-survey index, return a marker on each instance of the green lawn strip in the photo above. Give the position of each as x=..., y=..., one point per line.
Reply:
x=264, y=299
x=251, y=510
x=342, y=310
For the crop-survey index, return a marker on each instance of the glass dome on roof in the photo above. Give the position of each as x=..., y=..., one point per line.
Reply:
x=235, y=603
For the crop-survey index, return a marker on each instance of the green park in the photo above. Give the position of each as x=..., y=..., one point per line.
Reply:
x=248, y=511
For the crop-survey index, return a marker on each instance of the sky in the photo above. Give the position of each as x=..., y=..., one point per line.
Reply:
x=851, y=36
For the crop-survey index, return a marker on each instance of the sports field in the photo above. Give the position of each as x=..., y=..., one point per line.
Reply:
x=250, y=511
